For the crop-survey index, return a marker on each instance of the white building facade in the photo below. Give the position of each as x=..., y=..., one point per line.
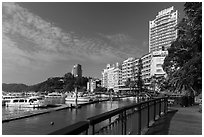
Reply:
x=112, y=77
x=92, y=84
x=162, y=30
x=157, y=62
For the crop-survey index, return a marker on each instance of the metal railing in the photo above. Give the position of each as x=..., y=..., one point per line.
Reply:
x=131, y=119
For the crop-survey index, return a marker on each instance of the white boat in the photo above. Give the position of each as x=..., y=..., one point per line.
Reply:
x=31, y=102
x=71, y=98
x=54, y=95
x=7, y=98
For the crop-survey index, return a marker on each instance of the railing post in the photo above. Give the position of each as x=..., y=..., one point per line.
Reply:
x=154, y=110
x=125, y=123
x=139, y=119
x=165, y=105
x=109, y=120
x=160, y=107
x=121, y=116
x=86, y=132
x=147, y=114
x=93, y=129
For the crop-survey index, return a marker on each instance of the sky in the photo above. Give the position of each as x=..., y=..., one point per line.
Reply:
x=45, y=39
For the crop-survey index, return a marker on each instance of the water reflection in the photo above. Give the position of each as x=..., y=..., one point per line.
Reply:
x=40, y=124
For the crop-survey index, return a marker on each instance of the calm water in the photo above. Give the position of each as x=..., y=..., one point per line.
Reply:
x=39, y=125
x=7, y=111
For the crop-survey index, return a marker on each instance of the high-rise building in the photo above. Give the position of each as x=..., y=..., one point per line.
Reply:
x=162, y=30
x=77, y=71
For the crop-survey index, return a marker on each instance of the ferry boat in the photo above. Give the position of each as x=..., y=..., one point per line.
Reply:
x=54, y=95
x=71, y=98
x=31, y=102
x=7, y=98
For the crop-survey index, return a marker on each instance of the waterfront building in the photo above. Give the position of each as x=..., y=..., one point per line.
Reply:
x=162, y=30
x=128, y=66
x=157, y=62
x=77, y=70
x=111, y=77
x=117, y=77
x=151, y=66
x=92, y=84
x=146, y=68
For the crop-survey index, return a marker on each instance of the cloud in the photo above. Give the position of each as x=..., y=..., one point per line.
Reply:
x=31, y=42
x=37, y=39
x=125, y=44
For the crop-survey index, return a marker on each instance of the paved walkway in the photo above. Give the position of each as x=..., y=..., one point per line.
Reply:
x=179, y=121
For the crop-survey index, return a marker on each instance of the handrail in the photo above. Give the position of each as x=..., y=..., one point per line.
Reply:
x=92, y=121
x=74, y=129
x=101, y=117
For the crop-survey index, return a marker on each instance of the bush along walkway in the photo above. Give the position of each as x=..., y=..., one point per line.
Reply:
x=178, y=121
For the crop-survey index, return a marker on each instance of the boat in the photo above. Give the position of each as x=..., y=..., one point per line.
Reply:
x=54, y=95
x=30, y=102
x=7, y=98
x=71, y=98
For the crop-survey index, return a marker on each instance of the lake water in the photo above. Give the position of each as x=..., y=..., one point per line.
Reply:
x=40, y=124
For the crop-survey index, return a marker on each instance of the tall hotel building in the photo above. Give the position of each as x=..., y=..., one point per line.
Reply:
x=162, y=29
x=162, y=32
x=77, y=71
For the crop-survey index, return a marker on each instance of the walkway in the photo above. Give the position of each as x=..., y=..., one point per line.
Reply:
x=179, y=121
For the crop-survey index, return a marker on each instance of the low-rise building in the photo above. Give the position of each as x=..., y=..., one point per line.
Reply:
x=92, y=84
x=111, y=77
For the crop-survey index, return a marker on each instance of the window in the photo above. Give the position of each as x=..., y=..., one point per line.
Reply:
x=15, y=101
x=159, y=70
x=21, y=100
x=159, y=65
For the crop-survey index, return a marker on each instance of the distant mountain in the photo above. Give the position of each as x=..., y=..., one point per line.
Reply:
x=14, y=87
x=65, y=83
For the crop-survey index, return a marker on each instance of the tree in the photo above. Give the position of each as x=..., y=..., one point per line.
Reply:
x=136, y=84
x=183, y=64
x=130, y=83
x=100, y=90
x=68, y=76
x=139, y=81
x=158, y=83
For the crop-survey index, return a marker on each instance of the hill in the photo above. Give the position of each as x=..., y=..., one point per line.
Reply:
x=14, y=87
x=65, y=83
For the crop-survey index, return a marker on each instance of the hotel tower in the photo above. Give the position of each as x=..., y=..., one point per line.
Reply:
x=162, y=30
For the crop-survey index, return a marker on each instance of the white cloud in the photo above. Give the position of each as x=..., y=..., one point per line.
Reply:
x=30, y=42
x=24, y=29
